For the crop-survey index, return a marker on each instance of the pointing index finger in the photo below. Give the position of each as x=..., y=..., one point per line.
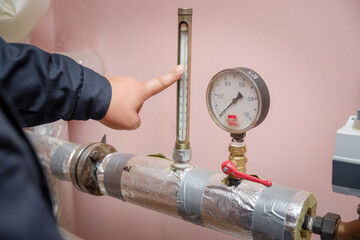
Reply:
x=157, y=85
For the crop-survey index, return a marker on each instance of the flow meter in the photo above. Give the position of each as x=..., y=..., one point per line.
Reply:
x=182, y=150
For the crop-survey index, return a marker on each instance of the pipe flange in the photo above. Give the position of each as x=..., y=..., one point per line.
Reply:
x=84, y=163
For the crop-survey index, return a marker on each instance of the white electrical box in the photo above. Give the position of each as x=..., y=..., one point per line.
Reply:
x=346, y=160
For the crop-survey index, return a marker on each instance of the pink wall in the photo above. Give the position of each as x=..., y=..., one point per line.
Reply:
x=308, y=52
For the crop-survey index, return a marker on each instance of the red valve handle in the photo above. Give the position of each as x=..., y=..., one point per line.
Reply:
x=229, y=168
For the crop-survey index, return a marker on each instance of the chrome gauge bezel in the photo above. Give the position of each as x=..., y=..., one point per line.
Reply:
x=261, y=90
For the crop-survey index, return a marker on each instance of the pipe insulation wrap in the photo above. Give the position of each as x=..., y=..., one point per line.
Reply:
x=199, y=196
x=190, y=194
x=269, y=217
x=54, y=154
x=233, y=209
x=152, y=183
x=249, y=210
x=61, y=168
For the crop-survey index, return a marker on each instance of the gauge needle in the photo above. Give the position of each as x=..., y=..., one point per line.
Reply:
x=234, y=100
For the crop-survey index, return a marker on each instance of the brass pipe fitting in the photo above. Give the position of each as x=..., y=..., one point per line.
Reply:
x=237, y=155
x=331, y=227
x=348, y=230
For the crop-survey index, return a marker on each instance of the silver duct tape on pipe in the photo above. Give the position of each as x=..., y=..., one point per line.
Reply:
x=109, y=174
x=191, y=193
x=269, y=217
x=248, y=211
x=54, y=154
x=230, y=209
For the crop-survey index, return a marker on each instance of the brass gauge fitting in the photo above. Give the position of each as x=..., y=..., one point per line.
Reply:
x=237, y=152
x=235, y=167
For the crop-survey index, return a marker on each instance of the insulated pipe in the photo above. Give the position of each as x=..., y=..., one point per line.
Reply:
x=54, y=154
x=249, y=210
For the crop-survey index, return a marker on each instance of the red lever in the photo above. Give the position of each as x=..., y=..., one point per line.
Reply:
x=229, y=168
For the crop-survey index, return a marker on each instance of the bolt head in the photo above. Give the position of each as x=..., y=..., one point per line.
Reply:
x=94, y=156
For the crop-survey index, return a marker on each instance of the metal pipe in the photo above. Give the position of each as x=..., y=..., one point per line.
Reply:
x=331, y=227
x=348, y=230
x=54, y=154
x=248, y=211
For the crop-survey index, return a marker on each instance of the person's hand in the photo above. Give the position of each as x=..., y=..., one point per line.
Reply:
x=128, y=96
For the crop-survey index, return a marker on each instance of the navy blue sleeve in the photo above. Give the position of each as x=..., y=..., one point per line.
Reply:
x=25, y=206
x=46, y=87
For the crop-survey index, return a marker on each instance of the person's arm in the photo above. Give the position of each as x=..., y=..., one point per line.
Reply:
x=46, y=87
x=25, y=204
x=129, y=95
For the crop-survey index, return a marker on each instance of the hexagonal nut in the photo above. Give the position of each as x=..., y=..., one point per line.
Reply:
x=316, y=228
x=237, y=150
x=181, y=156
x=328, y=227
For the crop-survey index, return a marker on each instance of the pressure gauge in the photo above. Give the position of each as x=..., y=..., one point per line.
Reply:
x=237, y=99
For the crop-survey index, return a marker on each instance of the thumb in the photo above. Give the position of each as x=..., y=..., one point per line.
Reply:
x=156, y=85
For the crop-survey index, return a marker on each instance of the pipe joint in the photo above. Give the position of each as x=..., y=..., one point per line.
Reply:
x=83, y=166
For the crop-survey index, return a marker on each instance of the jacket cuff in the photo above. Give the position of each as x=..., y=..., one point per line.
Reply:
x=95, y=96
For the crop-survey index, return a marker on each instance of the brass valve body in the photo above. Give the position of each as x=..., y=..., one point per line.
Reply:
x=237, y=156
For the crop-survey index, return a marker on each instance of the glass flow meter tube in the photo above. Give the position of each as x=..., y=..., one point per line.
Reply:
x=182, y=151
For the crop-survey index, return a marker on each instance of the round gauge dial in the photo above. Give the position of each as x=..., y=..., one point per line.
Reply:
x=237, y=99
